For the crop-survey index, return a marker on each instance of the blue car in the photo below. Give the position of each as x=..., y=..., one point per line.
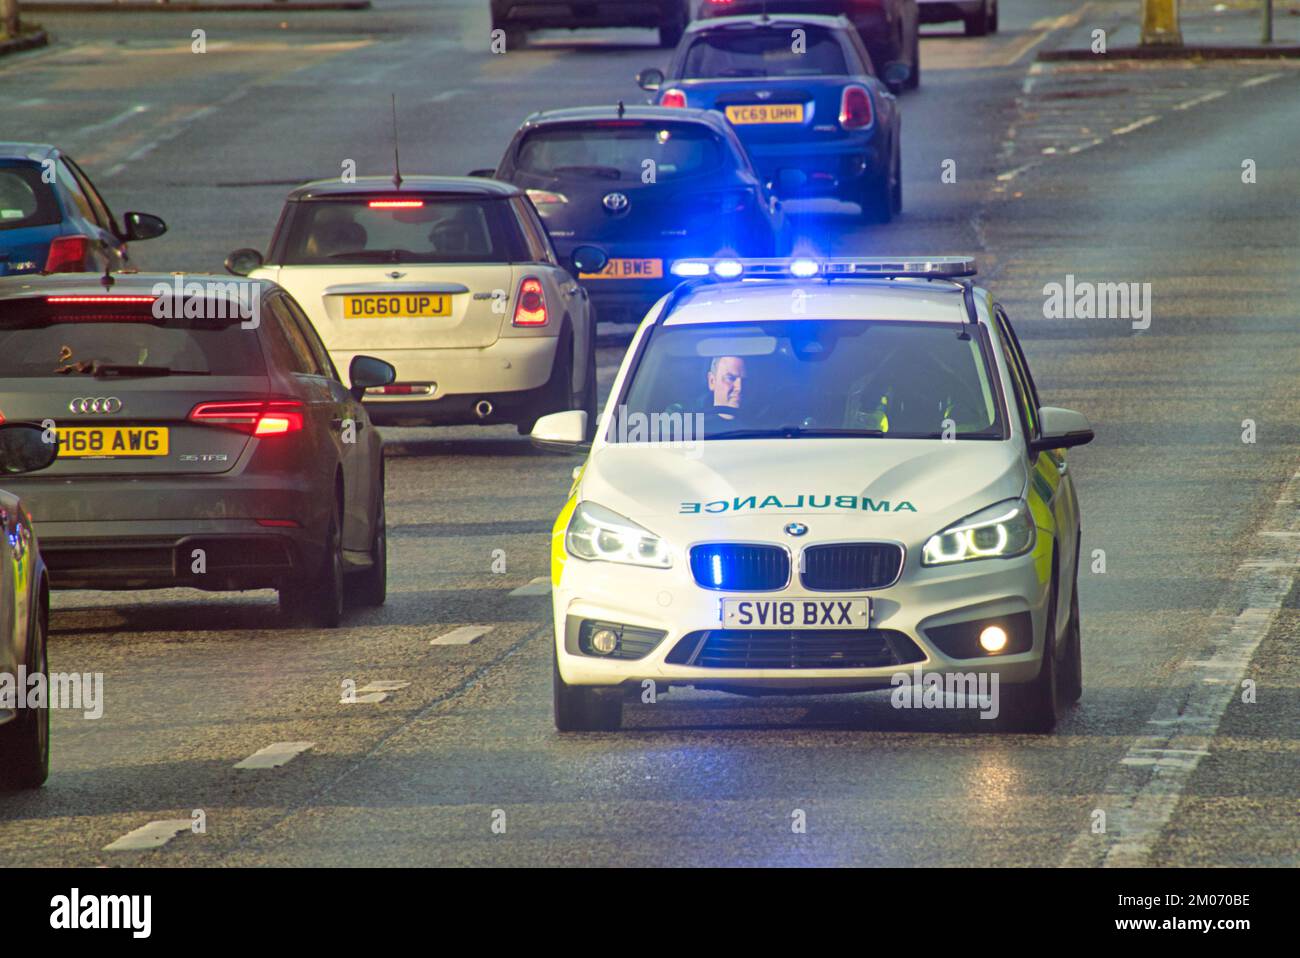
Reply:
x=53, y=220
x=805, y=99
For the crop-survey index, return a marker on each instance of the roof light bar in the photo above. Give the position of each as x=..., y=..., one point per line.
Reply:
x=804, y=267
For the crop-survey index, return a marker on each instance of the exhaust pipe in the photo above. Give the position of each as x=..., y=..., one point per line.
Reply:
x=482, y=409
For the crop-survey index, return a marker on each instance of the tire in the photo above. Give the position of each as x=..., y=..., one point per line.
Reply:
x=977, y=24
x=914, y=81
x=317, y=599
x=1072, y=667
x=581, y=709
x=25, y=739
x=369, y=587
x=993, y=18
x=896, y=191
x=516, y=36
x=1033, y=707
x=879, y=198
x=558, y=394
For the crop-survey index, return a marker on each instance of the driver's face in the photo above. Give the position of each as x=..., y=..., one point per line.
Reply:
x=725, y=381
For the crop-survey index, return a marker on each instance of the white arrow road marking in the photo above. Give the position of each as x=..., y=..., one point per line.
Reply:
x=383, y=686
x=275, y=755
x=368, y=698
x=465, y=635
x=539, y=586
x=153, y=835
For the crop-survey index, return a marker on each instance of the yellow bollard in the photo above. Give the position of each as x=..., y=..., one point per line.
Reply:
x=1160, y=23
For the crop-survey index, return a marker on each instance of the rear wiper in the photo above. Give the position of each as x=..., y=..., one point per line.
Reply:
x=384, y=255
x=793, y=432
x=609, y=172
x=100, y=370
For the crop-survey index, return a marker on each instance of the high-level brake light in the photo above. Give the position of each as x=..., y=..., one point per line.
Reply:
x=396, y=204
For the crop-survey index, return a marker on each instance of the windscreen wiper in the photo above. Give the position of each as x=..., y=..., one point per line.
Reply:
x=100, y=370
x=793, y=432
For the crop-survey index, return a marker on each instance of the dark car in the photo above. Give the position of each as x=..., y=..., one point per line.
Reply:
x=979, y=17
x=517, y=17
x=205, y=440
x=816, y=120
x=889, y=28
x=24, y=616
x=53, y=220
x=647, y=185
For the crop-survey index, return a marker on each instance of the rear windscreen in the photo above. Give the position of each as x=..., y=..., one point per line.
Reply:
x=617, y=150
x=103, y=339
x=24, y=199
x=805, y=51
x=402, y=230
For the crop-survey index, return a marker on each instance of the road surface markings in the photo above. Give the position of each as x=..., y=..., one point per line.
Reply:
x=383, y=686
x=1260, y=81
x=539, y=586
x=465, y=635
x=275, y=755
x=1012, y=174
x=1141, y=796
x=1080, y=147
x=364, y=698
x=154, y=835
x=127, y=114
x=1203, y=98
x=1047, y=27
x=1135, y=125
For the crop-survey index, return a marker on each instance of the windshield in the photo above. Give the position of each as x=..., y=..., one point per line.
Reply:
x=797, y=379
x=39, y=339
x=422, y=230
x=619, y=150
x=765, y=53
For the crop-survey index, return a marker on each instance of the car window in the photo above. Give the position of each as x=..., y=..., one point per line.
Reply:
x=405, y=229
x=790, y=378
x=775, y=52
x=24, y=199
x=102, y=214
x=41, y=339
x=618, y=150
x=1020, y=356
x=320, y=355
x=302, y=359
x=1023, y=396
x=72, y=188
x=860, y=49
x=539, y=245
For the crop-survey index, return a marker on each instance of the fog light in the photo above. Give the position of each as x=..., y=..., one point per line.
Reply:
x=605, y=641
x=993, y=639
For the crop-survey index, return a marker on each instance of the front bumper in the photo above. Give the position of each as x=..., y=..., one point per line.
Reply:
x=668, y=600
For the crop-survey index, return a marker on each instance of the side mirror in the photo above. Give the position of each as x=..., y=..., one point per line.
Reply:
x=365, y=372
x=650, y=80
x=895, y=74
x=243, y=261
x=562, y=432
x=1061, y=429
x=589, y=259
x=23, y=449
x=483, y=174
x=142, y=226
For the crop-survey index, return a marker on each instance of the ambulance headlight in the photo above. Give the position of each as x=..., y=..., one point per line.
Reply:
x=598, y=534
x=1001, y=530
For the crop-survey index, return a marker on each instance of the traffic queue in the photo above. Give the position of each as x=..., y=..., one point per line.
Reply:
x=219, y=432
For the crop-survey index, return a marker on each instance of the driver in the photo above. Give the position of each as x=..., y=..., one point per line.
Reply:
x=726, y=379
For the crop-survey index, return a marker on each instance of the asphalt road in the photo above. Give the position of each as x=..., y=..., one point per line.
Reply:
x=1111, y=176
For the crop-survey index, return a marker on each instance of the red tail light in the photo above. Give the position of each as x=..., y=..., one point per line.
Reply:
x=675, y=98
x=530, y=307
x=67, y=254
x=855, y=108
x=256, y=418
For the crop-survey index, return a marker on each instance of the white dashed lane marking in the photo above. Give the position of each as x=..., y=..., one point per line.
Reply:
x=465, y=635
x=1203, y=98
x=153, y=835
x=539, y=586
x=1260, y=81
x=275, y=755
x=1135, y=125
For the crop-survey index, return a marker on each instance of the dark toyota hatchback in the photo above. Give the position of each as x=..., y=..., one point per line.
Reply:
x=205, y=440
x=648, y=185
